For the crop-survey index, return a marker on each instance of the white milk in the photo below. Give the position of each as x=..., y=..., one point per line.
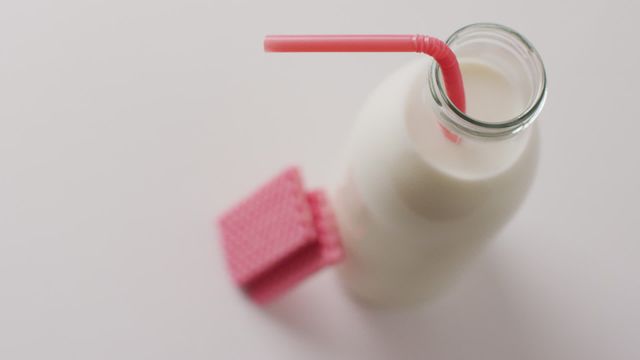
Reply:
x=412, y=206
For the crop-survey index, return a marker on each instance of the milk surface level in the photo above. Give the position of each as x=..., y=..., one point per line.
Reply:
x=414, y=207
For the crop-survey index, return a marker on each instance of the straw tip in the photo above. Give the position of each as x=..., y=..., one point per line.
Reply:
x=267, y=44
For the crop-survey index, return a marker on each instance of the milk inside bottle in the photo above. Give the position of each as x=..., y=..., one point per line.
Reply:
x=413, y=207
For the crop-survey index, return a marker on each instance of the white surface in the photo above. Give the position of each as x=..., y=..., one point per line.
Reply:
x=127, y=126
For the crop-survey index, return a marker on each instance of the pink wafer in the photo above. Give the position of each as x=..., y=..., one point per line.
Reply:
x=279, y=236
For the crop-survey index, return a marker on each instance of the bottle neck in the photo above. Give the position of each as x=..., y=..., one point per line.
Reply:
x=502, y=49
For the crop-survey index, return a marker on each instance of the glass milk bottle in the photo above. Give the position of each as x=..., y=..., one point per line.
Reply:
x=413, y=206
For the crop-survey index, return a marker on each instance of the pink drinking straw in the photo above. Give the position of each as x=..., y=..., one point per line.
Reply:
x=381, y=43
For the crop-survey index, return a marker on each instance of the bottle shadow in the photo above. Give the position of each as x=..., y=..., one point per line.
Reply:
x=485, y=315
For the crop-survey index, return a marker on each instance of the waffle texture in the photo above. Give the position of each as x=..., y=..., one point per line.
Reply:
x=278, y=236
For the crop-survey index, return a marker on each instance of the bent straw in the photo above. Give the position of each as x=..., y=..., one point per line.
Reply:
x=428, y=45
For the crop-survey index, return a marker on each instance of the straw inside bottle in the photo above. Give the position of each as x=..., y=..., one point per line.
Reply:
x=428, y=45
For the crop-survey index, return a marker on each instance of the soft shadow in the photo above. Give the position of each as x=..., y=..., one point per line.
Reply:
x=483, y=316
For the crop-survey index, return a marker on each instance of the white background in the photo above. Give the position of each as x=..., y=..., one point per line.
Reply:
x=126, y=127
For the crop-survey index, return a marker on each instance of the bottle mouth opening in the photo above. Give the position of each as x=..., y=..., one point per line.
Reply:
x=511, y=53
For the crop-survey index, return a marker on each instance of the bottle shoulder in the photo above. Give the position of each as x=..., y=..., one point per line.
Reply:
x=397, y=120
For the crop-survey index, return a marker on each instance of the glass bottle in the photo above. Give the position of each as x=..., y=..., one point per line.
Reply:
x=413, y=206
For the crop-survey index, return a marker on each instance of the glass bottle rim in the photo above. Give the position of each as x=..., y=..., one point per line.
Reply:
x=468, y=125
